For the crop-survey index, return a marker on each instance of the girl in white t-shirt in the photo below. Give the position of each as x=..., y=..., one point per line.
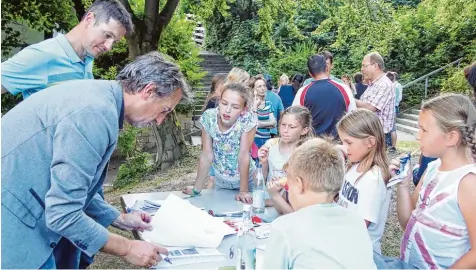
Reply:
x=364, y=189
x=295, y=125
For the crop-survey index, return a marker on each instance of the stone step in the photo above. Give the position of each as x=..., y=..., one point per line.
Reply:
x=416, y=111
x=407, y=122
x=413, y=117
x=215, y=63
x=407, y=129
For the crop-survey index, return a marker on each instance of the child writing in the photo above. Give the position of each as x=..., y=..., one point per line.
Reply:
x=227, y=134
x=364, y=190
x=439, y=217
x=294, y=127
x=320, y=233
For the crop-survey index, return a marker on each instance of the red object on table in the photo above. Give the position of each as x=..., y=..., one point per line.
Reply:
x=256, y=219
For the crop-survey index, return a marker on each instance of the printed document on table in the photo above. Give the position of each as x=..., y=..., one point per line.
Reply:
x=183, y=256
x=178, y=223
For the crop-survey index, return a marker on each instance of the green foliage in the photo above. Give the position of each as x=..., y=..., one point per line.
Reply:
x=45, y=15
x=456, y=83
x=137, y=163
x=135, y=168
x=414, y=37
x=292, y=61
x=176, y=41
x=127, y=142
x=9, y=101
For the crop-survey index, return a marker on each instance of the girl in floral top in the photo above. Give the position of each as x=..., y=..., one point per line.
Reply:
x=228, y=132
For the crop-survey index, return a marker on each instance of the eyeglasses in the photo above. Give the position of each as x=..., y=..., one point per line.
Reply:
x=364, y=66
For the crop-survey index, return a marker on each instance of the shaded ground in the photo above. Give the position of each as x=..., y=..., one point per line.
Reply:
x=183, y=174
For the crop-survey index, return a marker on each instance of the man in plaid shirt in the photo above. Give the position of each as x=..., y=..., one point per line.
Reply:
x=380, y=95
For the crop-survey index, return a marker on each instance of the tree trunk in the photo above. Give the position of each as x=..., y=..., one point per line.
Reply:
x=170, y=143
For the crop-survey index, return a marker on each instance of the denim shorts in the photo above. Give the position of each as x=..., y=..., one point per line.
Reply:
x=384, y=262
x=235, y=185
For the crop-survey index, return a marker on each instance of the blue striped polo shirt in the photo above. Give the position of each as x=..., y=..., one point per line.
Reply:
x=44, y=64
x=263, y=115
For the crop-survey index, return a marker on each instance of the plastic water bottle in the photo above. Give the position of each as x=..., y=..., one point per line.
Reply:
x=246, y=258
x=259, y=191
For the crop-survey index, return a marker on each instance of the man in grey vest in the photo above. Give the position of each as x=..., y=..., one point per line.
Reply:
x=55, y=147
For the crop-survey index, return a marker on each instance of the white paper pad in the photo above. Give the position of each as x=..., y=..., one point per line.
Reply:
x=180, y=224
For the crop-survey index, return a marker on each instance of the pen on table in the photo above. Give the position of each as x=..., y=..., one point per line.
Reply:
x=165, y=258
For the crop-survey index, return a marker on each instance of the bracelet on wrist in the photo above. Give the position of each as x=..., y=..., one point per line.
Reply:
x=195, y=192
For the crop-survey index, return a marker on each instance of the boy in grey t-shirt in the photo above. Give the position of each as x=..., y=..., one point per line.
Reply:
x=320, y=233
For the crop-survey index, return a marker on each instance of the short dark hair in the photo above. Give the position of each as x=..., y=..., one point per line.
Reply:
x=104, y=10
x=358, y=77
x=391, y=76
x=298, y=77
x=328, y=56
x=316, y=64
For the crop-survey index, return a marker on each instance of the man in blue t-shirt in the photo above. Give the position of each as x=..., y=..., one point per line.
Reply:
x=70, y=56
x=326, y=99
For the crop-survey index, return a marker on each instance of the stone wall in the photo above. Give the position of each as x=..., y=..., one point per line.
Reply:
x=147, y=140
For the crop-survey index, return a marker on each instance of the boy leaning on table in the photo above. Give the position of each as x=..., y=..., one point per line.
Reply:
x=320, y=233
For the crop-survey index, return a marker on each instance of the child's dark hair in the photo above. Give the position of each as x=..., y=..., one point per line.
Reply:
x=304, y=116
x=238, y=88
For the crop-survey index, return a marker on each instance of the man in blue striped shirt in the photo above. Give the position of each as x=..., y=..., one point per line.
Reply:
x=70, y=56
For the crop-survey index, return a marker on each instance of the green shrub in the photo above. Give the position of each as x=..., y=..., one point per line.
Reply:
x=127, y=141
x=136, y=167
x=292, y=61
x=456, y=83
x=177, y=42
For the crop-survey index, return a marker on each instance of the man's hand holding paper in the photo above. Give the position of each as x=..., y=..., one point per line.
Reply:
x=137, y=220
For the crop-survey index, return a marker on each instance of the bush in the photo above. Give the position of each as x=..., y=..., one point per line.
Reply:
x=456, y=83
x=292, y=61
x=127, y=141
x=135, y=167
x=177, y=42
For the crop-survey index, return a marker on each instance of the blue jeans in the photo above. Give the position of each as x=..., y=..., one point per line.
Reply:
x=384, y=262
x=418, y=172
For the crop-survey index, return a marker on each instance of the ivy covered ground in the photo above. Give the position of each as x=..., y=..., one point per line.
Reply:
x=183, y=174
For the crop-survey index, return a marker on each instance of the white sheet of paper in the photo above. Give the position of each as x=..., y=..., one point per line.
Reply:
x=181, y=224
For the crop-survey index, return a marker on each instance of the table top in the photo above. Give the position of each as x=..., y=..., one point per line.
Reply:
x=218, y=200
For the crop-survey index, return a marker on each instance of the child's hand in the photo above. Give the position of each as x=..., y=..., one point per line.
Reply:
x=263, y=154
x=395, y=166
x=274, y=187
x=244, y=197
x=188, y=190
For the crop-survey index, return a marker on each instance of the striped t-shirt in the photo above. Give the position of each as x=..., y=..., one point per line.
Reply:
x=263, y=115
